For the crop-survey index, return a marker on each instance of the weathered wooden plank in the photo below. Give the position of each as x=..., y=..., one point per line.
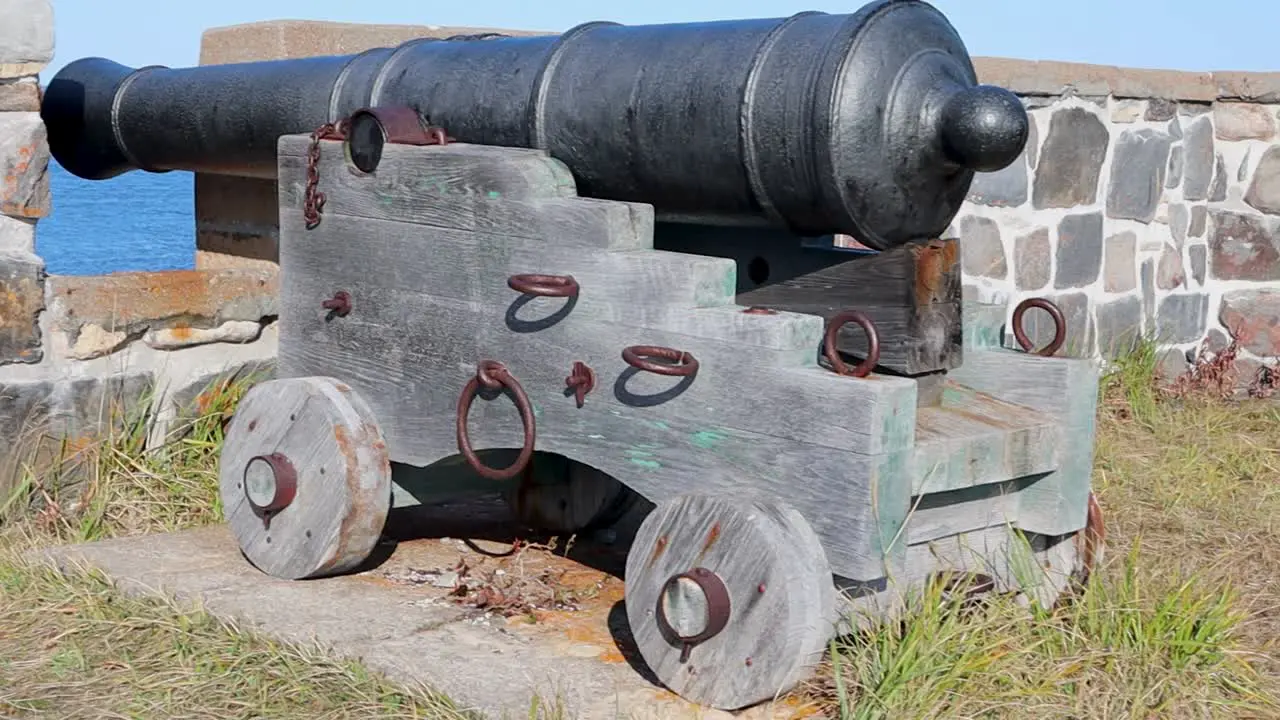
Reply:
x=777, y=392
x=769, y=565
x=911, y=293
x=949, y=513
x=1065, y=389
x=475, y=267
x=1039, y=566
x=857, y=503
x=643, y=289
x=745, y=430
x=457, y=169
x=972, y=438
x=405, y=188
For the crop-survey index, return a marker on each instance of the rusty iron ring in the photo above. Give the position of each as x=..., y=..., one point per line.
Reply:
x=1090, y=540
x=686, y=365
x=719, y=609
x=544, y=285
x=863, y=368
x=1059, y=325
x=493, y=374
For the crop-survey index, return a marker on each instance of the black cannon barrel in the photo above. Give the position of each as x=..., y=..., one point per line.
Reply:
x=871, y=123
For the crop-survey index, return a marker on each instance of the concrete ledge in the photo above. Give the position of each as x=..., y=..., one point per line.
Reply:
x=275, y=39
x=101, y=313
x=409, y=630
x=1047, y=78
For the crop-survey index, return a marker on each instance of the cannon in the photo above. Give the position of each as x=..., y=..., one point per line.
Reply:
x=625, y=234
x=780, y=122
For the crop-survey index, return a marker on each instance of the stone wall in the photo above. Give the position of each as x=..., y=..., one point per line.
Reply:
x=1147, y=203
x=75, y=351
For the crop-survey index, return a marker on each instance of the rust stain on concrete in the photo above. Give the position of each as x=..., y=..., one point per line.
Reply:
x=178, y=300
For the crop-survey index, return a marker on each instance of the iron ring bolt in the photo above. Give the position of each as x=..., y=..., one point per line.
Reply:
x=863, y=368
x=544, y=285
x=494, y=375
x=1059, y=326
x=640, y=358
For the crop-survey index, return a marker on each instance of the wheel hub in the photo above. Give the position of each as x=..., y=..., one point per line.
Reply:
x=270, y=484
x=693, y=608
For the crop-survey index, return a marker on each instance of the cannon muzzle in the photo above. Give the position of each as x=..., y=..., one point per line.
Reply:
x=870, y=124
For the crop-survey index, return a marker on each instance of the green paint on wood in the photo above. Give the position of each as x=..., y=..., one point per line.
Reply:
x=494, y=194
x=643, y=458
x=955, y=395
x=659, y=424
x=706, y=439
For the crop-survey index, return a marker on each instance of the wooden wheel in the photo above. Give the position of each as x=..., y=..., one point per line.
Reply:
x=1086, y=549
x=305, y=478
x=557, y=494
x=730, y=602
x=1069, y=560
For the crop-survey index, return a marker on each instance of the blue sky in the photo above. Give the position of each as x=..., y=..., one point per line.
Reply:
x=1172, y=34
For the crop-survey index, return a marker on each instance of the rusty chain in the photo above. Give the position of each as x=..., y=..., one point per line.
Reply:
x=314, y=198
x=313, y=202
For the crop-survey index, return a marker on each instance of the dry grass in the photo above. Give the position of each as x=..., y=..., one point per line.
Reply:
x=76, y=648
x=73, y=646
x=1180, y=623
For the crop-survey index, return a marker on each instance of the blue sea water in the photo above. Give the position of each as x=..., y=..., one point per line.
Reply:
x=136, y=221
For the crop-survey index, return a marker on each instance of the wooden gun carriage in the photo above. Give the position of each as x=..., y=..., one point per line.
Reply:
x=456, y=281
x=820, y=431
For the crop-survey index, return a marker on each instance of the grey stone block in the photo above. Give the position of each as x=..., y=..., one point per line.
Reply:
x=1148, y=277
x=1119, y=326
x=1137, y=174
x=44, y=421
x=1070, y=160
x=1199, y=214
x=1169, y=272
x=1253, y=318
x=1243, y=246
x=1182, y=318
x=1264, y=189
x=1032, y=259
x=26, y=36
x=1079, y=256
x=1197, y=173
x=1218, y=190
x=22, y=277
x=1173, y=176
x=1198, y=255
x=186, y=399
x=1160, y=109
x=24, y=163
x=1179, y=223
x=981, y=250
x=1003, y=188
x=1120, y=272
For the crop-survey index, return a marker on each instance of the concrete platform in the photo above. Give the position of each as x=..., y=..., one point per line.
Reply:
x=396, y=614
